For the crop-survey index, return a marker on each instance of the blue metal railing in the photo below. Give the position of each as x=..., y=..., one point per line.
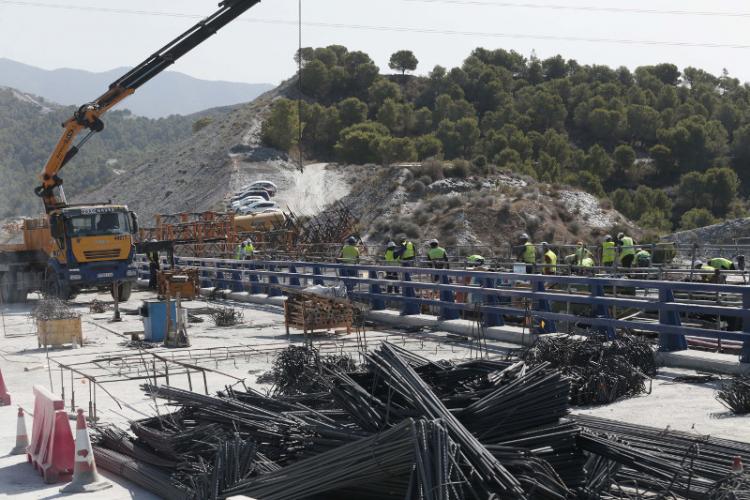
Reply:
x=546, y=300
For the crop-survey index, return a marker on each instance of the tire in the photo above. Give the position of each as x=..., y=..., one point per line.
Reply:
x=124, y=290
x=53, y=287
x=9, y=290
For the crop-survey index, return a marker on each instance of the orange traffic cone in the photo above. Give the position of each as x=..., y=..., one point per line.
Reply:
x=22, y=437
x=737, y=464
x=85, y=477
x=4, y=396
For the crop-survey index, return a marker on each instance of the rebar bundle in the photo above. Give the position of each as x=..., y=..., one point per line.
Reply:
x=601, y=371
x=226, y=316
x=735, y=394
x=402, y=426
x=52, y=308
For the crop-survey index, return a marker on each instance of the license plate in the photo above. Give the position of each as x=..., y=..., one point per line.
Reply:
x=105, y=275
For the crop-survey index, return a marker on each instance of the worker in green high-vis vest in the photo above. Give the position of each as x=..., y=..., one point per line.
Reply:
x=438, y=257
x=349, y=252
x=721, y=263
x=349, y=255
x=408, y=252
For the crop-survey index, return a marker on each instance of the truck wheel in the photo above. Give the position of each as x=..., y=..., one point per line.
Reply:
x=123, y=291
x=54, y=288
x=9, y=291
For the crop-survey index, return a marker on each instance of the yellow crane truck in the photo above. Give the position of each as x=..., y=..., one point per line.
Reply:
x=77, y=247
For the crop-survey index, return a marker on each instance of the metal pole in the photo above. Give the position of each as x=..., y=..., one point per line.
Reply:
x=116, y=294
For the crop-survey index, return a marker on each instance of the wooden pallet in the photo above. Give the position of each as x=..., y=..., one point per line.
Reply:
x=184, y=282
x=312, y=313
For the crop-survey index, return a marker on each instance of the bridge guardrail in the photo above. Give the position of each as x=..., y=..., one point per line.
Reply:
x=543, y=299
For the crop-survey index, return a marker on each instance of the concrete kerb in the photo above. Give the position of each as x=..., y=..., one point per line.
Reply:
x=514, y=335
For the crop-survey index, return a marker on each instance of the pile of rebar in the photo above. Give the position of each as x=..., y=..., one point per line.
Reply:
x=226, y=316
x=735, y=394
x=601, y=371
x=52, y=308
x=402, y=426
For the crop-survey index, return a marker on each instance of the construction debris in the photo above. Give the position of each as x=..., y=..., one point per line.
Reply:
x=735, y=394
x=97, y=307
x=601, y=371
x=301, y=370
x=226, y=316
x=401, y=426
x=52, y=309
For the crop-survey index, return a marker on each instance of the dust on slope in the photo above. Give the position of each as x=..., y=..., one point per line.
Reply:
x=202, y=172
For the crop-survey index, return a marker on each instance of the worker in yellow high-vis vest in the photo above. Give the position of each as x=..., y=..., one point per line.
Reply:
x=550, y=259
x=609, y=251
x=527, y=253
x=627, y=249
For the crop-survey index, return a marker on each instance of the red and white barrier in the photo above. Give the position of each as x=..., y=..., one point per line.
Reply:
x=4, y=396
x=22, y=437
x=52, y=449
x=85, y=477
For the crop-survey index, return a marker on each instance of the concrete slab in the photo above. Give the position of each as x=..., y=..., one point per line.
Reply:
x=712, y=362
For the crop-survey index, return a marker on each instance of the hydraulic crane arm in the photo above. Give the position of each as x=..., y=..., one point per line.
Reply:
x=88, y=116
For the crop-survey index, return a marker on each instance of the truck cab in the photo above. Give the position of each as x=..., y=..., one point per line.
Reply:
x=92, y=247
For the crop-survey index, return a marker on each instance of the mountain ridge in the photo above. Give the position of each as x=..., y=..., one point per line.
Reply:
x=169, y=93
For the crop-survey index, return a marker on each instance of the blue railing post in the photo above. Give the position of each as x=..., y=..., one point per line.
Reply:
x=273, y=280
x=376, y=302
x=317, y=272
x=409, y=307
x=491, y=318
x=669, y=342
x=205, y=277
x=446, y=296
x=542, y=305
x=345, y=273
x=601, y=310
x=293, y=280
x=255, y=287
x=237, y=277
x=745, y=352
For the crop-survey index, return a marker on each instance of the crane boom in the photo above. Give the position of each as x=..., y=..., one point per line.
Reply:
x=88, y=116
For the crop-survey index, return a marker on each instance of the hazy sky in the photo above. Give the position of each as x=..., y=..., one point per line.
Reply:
x=259, y=47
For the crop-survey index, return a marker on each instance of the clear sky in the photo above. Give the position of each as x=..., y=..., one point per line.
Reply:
x=259, y=47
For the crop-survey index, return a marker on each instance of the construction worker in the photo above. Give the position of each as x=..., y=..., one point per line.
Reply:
x=582, y=253
x=642, y=258
x=721, y=263
x=474, y=261
x=408, y=252
x=527, y=253
x=627, y=249
x=245, y=250
x=437, y=255
x=609, y=251
x=153, y=267
x=349, y=252
x=710, y=274
x=392, y=257
x=550, y=259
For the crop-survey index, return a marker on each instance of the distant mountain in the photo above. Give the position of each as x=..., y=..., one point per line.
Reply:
x=168, y=94
x=30, y=127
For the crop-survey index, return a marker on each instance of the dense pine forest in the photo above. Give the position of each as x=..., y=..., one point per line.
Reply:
x=670, y=149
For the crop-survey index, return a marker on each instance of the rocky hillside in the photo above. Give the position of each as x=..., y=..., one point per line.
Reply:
x=420, y=200
x=725, y=233
x=200, y=172
x=475, y=210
